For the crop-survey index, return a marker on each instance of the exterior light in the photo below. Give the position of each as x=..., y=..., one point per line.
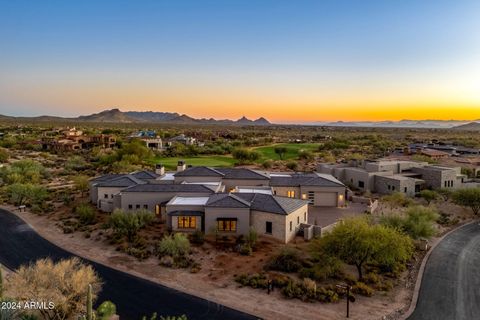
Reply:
x=304, y=196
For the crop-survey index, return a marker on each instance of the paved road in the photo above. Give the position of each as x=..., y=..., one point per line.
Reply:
x=134, y=297
x=450, y=287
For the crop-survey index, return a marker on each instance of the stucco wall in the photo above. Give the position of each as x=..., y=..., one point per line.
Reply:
x=283, y=191
x=232, y=183
x=151, y=199
x=242, y=215
x=396, y=185
x=280, y=223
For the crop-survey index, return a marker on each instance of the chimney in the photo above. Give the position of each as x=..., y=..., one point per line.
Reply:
x=181, y=166
x=159, y=169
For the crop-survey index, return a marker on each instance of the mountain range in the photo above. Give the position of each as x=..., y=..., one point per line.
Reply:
x=117, y=116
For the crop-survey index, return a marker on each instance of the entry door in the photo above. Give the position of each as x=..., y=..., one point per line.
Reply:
x=268, y=227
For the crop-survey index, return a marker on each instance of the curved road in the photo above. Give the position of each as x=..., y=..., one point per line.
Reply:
x=450, y=287
x=134, y=297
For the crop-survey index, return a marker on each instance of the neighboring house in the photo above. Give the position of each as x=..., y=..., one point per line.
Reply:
x=237, y=213
x=390, y=176
x=183, y=139
x=321, y=190
x=150, y=138
x=433, y=154
x=73, y=139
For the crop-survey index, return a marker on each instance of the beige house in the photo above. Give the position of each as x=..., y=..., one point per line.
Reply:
x=236, y=213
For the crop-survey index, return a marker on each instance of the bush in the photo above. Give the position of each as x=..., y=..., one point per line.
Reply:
x=267, y=164
x=288, y=260
x=86, y=214
x=106, y=310
x=327, y=295
x=198, y=237
x=245, y=250
x=362, y=289
x=418, y=223
x=129, y=223
x=256, y=280
x=306, y=155
x=397, y=199
x=175, y=246
x=292, y=165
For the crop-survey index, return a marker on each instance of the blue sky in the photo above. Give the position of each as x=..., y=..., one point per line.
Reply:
x=156, y=54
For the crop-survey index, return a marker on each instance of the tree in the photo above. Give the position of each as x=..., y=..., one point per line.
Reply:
x=428, y=195
x=356, y=241
x=21, y=194
x=469, y=197
x=419, y=222
x=23, y=171
x=129, y=223
x=81, y=183
x=64, y=283
x=280, y=151
x=245, y=156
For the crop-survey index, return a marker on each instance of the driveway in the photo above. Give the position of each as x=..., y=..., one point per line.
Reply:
x=450, y=288
x=134, y=297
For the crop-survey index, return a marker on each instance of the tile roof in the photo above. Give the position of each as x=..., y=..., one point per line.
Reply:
x=226, y=200
x=145, y=175
x=200, y=171
x=305, y=179
x=242, y=173
x=272, y=204
x=106, y=177
x=121, y=181
x=156, y=187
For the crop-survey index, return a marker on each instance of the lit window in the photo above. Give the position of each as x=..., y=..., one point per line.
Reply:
x=226, y=225
x=291, y=194
x=187, y=222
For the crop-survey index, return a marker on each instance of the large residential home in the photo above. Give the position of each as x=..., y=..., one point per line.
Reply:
x=237, y=213
x=390, y=176
x=233, y=200
x=321, y=190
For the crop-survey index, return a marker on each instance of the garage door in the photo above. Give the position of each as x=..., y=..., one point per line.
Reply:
x=325, y=199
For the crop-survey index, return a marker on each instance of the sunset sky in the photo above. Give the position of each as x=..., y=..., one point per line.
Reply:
x=289, y=61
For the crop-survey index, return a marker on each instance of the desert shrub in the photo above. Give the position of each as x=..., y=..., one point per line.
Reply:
x=468, y=198
x=256, y=280
x=292, y=165
x=397, y=199
x=198, y=237
x=86, y=214
x=3, y=155
x=429, y=195
x=288, y=260
x=267, y=164
x=245, y=249
x=306, y=155
x=175, y=246
x=245, y=156
x=306, y=290
x=327, y=295
x=251, y=238
x=129, y=223
x=419, y=222
x=362, y=289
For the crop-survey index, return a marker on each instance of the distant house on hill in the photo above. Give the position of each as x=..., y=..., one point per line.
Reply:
x=150, y=138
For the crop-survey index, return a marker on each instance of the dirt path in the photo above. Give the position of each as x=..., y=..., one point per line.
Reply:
x=249, y=300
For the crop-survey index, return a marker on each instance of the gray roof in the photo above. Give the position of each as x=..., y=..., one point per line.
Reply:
x=304, y=179
x=155, y=187
x=226, y=200
x=200, y=171
x=272, y=204
x=145, y=175
x=225, y=173
x=106, y=177
x=121, y=181
x=242, y=173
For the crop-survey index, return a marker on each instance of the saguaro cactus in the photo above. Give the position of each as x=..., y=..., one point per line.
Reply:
x=1, y=282
x=89, y=303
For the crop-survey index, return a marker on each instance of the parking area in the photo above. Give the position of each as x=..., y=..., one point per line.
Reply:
x=324, y=216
